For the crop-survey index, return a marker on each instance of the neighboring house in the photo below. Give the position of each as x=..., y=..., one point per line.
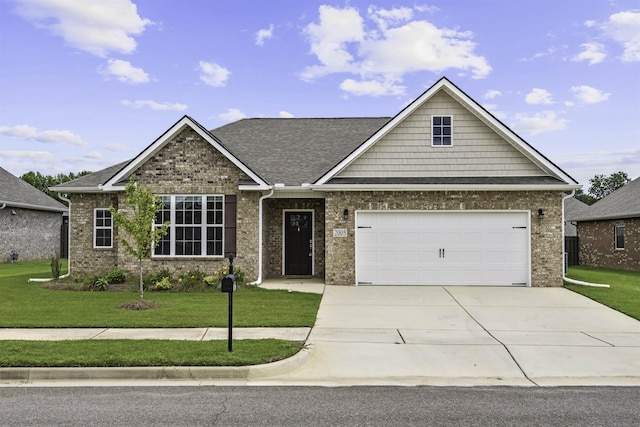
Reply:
x=31, y=222
x=609, y=230
x=443, y=194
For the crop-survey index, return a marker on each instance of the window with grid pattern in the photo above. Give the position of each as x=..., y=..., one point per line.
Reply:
x=102, y=228
x=441, y=131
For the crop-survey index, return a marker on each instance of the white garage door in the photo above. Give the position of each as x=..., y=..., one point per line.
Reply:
x=442, y=248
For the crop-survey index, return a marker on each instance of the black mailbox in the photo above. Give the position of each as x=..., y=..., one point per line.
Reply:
x=229, y=283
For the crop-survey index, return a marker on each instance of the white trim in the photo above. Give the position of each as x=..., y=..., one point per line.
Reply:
x=469, y=211
x=152, y=149
x=615, y=237
x=444, y=187
x=470, y=104
x=313, y=239
x=95, y=228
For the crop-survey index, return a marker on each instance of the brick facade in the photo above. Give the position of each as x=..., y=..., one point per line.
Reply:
x=546, y=235
x=597, y=244
x=185, y=165
x=32, y=234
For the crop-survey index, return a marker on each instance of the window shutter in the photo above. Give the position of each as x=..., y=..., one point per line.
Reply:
x=230, y=218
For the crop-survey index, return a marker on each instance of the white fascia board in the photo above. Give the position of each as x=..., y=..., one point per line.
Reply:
x=451, y=187
x=33, y=207
x=63, y=190
x=152, y=149
x=516, y=141
x=253, y=187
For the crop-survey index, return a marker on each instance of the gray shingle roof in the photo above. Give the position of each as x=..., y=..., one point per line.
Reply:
x=295, y=151
x=93, y=180
x=622, y=203
x=19, y=193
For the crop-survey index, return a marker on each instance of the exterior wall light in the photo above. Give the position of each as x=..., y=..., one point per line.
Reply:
x=345, y=214
x=540, y=214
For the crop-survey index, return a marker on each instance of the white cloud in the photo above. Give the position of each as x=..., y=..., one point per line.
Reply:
x=95, y=26
x=232, y=115
x=545, y=121
x=117, y=147
x=589, y=95
x=156, y=106
x=213, y=74
x=492, y=94
x=285, y=115
x=125, y=72
x=371, y=87
x=35, y=156
x=542, y=54
x=381, y=53
x=29, y=133
x=624, y=28
x=94, y=155
x=263, y=35
x=539, y=96
x=592, y=52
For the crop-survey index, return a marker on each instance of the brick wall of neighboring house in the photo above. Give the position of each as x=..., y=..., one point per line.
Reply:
x=84, y=259
x=597, y=244
x=546, y=235
x=273, y=251
x=32, y=234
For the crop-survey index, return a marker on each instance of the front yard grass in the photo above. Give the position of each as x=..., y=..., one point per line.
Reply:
x=623, y=295
x=129, y=353
x=26, y=304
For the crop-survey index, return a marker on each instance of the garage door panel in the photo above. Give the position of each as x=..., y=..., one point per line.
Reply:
x=442, y=248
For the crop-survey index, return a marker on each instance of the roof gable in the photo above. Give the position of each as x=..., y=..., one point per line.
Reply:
x=622, y=203
x=18, y=193
x=514, y=147
x=115, y=182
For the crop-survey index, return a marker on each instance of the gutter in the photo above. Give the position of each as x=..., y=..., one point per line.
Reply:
x=440, y=187
x=564, y=266
x=260, y=211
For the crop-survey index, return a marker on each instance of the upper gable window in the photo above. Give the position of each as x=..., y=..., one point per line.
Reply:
x=441, y=131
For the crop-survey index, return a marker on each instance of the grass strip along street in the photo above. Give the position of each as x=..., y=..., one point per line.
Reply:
x=26, y=304
x=623, y=295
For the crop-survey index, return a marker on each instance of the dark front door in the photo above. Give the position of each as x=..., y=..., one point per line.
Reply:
x=298, y=243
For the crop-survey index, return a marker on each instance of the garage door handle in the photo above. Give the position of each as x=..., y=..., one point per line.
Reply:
x=443, y=253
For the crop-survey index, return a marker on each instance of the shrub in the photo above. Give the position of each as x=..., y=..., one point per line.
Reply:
x=115, y=275
x=56, y=266
x=163, y=285
x=97, y=283
x=153, y=277
x=192, y=280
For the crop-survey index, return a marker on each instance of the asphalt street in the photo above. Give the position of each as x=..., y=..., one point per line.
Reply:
x=320, y=406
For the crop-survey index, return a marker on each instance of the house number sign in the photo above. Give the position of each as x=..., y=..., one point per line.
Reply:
x=339, y=232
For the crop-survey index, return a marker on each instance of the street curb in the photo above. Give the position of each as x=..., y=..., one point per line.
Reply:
x=28, y=375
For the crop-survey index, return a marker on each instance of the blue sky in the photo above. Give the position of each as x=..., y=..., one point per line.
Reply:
x=86, y=84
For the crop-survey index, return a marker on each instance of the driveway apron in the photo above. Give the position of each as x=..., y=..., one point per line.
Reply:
x=469, y=336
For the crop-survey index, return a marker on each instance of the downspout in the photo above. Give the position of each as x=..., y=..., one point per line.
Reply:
x=564, y=267
x=260, y=209
x=64, y=276
x=4, y=205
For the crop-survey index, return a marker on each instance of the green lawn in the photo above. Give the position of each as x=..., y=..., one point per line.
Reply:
x=25, y=304
x=623, y=295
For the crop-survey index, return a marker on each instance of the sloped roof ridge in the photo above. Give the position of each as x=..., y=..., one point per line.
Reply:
x=17, y=192
x=622, y=203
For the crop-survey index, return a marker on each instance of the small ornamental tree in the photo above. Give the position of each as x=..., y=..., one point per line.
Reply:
x=141, y=235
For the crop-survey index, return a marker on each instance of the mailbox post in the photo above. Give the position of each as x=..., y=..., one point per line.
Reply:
x=228, y=285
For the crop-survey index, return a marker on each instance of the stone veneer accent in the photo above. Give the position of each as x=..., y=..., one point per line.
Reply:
x=185, y=165
x=546, y=235
x=597, y=245
x=274, y=233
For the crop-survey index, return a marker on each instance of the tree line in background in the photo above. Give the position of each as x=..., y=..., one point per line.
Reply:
x=43, y=182
x=602, y=186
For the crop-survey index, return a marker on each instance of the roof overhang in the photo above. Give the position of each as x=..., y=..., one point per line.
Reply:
x=33, y=207
x=445, y=187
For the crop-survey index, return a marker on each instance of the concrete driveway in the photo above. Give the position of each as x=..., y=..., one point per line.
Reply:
x=468, y=336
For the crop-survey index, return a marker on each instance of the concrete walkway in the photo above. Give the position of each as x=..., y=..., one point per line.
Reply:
x=409, y=336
